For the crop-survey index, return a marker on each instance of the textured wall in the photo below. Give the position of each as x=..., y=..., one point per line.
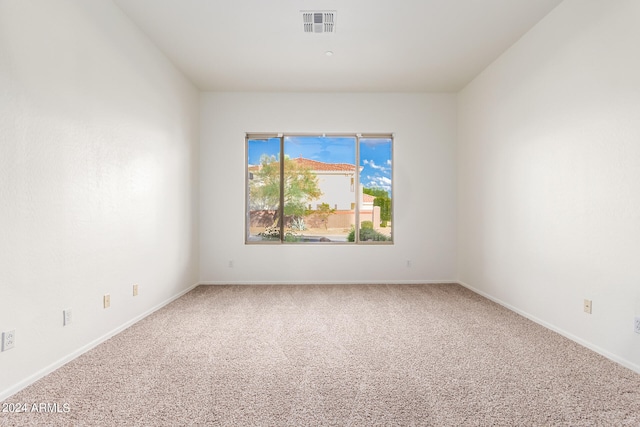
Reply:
x=98, y=179
x=549, y=175
x=424, y=187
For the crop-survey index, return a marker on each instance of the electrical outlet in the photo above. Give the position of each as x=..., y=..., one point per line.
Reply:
x=409, y=263
x=636, y=325
x=8, y=340
x=231, y=264
x=587, y=306
x=66, y=317
x=107, y=301
x=135, y=290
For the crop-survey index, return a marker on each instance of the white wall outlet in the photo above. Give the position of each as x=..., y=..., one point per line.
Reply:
x=107, y=301
x=231, y=264
x=587, y=306
x=409, y=263
x=8, y=340
x=66, y=317
x=135, y=290
x=636, y=324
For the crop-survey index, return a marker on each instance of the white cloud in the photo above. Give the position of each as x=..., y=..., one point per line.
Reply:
x=372, y=164
x=379, y=182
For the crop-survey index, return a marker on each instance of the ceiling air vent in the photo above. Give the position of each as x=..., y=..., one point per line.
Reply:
x=319, y=21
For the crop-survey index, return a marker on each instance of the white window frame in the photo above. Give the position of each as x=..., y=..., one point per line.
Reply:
x=281, y=136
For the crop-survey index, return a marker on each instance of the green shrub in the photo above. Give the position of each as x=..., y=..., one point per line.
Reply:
x=367, y=234
x=367, y=225
x=372, y=235
x=270, y=233
x=290, y=237
x=297, y=223
x=273, y=233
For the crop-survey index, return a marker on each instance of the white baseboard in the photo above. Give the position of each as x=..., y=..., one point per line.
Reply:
x=318, y=282
x=59, y=363
x=558, y=330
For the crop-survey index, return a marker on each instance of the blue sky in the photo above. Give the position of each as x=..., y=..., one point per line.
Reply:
x=375, y=154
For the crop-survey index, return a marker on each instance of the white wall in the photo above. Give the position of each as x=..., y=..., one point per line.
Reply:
x=98, y=179
x=549, y=176
x=424, y=187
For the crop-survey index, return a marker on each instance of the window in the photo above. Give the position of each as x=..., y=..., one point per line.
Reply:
x=316, y=188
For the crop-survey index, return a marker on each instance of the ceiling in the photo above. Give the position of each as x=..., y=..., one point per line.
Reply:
x=378, y=45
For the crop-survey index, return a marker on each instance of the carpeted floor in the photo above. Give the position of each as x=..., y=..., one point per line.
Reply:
x=350, y=355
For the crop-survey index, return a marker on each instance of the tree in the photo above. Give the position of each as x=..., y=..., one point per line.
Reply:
x=383, y=200
x=376, y=192
x=323, y=212
x=300, y=187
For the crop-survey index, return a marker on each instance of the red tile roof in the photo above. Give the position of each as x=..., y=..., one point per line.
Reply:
x=368, y=198
x=317, y=166
x=322, y=166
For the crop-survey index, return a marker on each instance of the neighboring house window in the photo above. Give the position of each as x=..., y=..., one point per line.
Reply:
x=288, y=174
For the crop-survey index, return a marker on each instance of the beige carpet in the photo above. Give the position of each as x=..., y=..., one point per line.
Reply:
x=336, y=355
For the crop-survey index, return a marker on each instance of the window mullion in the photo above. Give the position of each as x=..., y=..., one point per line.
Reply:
x=358, y=195
x=281, y=212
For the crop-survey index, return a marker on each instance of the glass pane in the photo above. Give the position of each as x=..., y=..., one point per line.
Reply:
x=263, y=192
x=319, y=188
x=376, y=189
